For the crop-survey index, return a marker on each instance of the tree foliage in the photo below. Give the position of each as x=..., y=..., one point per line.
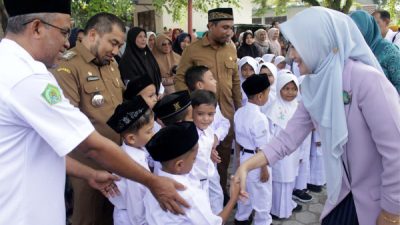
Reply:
x=178, y=8
x=82, y=10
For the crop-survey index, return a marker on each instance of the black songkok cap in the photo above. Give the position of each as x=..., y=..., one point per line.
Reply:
x=255, y=84
x=173, y=141
x=137, y=85
x=172, y=104
x=220, y=14
x=127, y=114
x=22, y=7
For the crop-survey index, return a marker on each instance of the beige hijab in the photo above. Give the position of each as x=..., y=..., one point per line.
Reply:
x=274, y=46
x=165, y=61
x=257, y=35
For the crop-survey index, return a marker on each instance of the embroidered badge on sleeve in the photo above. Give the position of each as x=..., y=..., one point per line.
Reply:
x=51, y=94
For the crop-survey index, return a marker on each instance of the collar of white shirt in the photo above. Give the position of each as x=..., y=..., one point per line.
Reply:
x=136, y=153
x=183, y=179
x=252, y=106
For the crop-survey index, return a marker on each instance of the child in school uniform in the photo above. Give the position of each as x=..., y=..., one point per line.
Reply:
x=284, y=171
x=176, y=147
x=280, y=62
x=247, y=67
x=270, y=70
x=134, y=120
x=201, y=78
x=251, y=129
x=204, y=104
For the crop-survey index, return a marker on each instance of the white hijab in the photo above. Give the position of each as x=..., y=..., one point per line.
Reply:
x=331, y=38
x=272, y=92
x=278, y=60
x=268, y=57
x=253, y=63
x=281, y=110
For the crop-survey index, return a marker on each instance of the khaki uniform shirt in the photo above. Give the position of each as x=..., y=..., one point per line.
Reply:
x=222, y=63
x=81, y=79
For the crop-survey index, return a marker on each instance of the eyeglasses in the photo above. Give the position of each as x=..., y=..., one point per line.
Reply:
x=66, y=32
x=165, y=44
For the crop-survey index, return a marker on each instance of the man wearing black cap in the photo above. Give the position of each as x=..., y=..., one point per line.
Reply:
x=90, y=79
x=39, y=127
x=216, y=52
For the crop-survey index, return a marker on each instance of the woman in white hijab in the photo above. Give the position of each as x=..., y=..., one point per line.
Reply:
x=357, y=111
x=274, y=46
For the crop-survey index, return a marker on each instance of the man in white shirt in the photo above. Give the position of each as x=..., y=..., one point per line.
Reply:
x=382, y=17
x=39, y=127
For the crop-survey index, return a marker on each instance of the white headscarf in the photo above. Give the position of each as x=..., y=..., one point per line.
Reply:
x=281, y=110
x=331, y=38
x=253, y=63
x=278, y=60
x=259, y=59
x=272, y=92
x=268, y=57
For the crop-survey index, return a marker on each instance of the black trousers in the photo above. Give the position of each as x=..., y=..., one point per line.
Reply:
x=343, y=214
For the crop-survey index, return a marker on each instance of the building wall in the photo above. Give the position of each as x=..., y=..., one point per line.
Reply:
x=242, y=15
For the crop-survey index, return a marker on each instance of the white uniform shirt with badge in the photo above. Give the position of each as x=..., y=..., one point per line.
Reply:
x=129, y=206
x=38, y=127
x=393, y=37
x=201, y=165
x=198, y=213
x=251, y=130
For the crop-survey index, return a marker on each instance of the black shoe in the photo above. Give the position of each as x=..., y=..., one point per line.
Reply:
x=245, y=222
x=301, y=196
x=298, y=208
x=275, y=217
x=314, y=188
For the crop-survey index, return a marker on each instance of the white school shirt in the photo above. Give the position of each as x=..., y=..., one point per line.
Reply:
x=389, y=37
x=132, y=193
x=203, y=158
x=220, y=125
x=251, y=130
x=38, y=127
x=199, y=212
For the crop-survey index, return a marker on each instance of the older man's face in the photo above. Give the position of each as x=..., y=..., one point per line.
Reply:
x=54, y=39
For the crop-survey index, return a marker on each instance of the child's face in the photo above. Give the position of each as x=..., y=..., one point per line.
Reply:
x=149, y=95
x=203, y=115
x=247, y=71
x=264, y=97
x=281, y=65
x=143, y=135
x=289, y=92
x=189, y=160
x=209, y=83
x=271, y=77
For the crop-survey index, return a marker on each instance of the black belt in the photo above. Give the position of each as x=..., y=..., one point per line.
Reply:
x=249, y=151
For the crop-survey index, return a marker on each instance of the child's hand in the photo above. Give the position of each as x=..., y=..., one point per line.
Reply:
x=215, y=156
x=234, y=188
x=264, y=175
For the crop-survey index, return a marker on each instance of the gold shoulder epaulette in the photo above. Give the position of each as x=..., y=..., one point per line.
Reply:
x=69, y=55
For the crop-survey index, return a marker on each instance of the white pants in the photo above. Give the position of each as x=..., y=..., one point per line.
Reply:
x=282, y=202
x=215, y=193
x=304, y=174
x=260, y=196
